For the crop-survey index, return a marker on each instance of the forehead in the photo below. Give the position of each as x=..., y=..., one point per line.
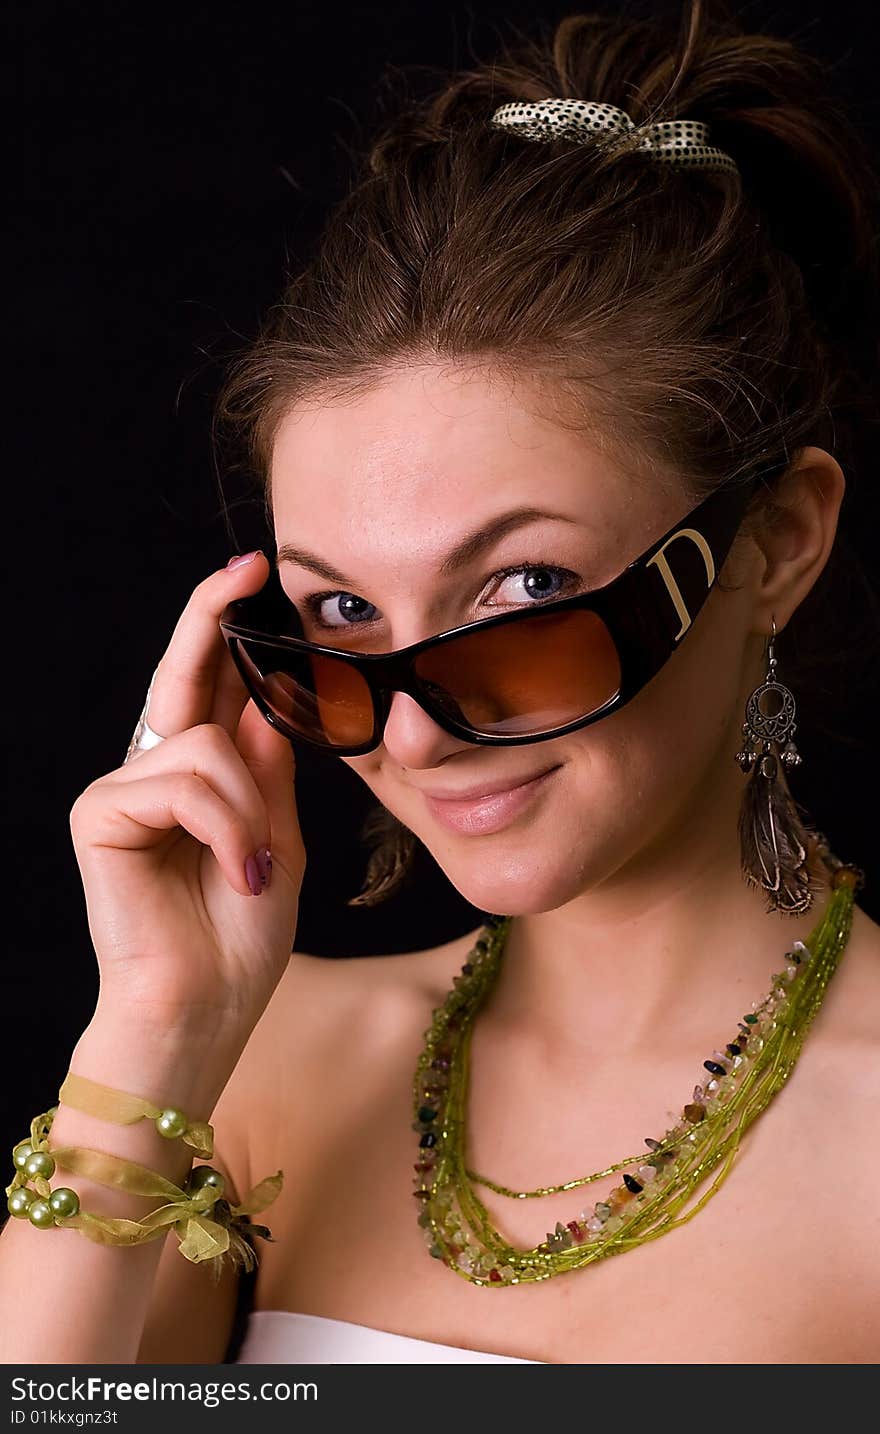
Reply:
x=429, y=451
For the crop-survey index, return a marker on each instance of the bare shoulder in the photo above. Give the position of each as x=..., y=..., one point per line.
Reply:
x=843, y=1050
x=375, y=1002
x=837, y=1089
x=333, y=1025
x=851, y=1009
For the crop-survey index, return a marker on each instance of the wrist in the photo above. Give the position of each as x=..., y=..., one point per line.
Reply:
x=184, y=1063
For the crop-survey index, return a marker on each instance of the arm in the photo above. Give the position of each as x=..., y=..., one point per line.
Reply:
x=192, y=934
x=67, y=1300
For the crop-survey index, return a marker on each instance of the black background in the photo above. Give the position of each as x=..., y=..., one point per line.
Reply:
x=172, y=160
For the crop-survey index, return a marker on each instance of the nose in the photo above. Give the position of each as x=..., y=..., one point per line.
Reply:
x=412, y=737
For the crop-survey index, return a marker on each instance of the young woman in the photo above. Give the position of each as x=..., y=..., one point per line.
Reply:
x=567, y=375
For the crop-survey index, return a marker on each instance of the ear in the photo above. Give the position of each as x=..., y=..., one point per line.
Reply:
x=796, y=542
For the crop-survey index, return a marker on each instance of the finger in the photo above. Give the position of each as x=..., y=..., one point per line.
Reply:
x=230, y=694
x=270, y=760
x=195, y=680
x=210, y=752
x=137, y=816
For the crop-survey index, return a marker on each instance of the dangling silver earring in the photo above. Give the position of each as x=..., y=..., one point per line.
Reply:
x=773, y=836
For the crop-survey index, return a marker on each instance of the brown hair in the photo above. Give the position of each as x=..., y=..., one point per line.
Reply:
x=751, y=300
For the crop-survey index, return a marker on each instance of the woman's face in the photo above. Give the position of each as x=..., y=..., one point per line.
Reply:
x=381, y=489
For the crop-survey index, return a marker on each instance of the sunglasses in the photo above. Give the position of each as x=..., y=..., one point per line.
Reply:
x=523, y=676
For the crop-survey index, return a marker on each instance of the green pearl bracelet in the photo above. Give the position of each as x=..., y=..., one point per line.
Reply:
x=62, y=1203
x=123, y=1108
x=207, y=1225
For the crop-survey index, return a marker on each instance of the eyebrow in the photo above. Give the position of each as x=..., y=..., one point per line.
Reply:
x=457, y=558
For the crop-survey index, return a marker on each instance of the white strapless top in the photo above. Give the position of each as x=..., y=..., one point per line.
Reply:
x=282, y=1337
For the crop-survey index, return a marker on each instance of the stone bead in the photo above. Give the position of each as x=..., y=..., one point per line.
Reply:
x=39, y=1163
x=171, y=1123
x=715, y=1067
x=205, y=1175
x=21, y=1153
x=20, y=1201
x=694, y=1113
x=647, y=1173
x=40, y=1214
x=426, y=1113
x=620, y=1195
x=631, y=1183
x=64, y=1202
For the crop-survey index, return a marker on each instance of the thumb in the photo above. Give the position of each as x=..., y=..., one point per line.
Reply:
x=270, y=759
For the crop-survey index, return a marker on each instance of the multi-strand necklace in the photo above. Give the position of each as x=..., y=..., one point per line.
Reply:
x=737, y=1083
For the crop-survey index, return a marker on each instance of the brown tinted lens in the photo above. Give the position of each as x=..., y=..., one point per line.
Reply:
x=323, y=699
x=524, y=677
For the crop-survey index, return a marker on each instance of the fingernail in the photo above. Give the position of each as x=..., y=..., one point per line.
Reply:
x=254, y=880
x=263, y=859
x=241, y=558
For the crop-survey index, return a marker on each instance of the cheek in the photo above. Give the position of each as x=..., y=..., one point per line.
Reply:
x=367, y=767
x=624, y=781
x=659, y=747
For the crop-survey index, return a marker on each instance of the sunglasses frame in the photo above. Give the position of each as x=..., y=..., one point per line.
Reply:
x=641, y=608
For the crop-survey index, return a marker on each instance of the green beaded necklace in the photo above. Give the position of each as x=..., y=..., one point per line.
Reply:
x=744, y=1078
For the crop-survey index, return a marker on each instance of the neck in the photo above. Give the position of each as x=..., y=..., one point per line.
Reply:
x=671, y=946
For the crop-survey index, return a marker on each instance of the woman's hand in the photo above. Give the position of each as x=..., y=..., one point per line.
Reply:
x=165, y=842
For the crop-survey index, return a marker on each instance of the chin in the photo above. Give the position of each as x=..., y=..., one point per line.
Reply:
x=517, y=880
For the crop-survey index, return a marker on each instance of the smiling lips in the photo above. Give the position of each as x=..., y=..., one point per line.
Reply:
x=488, y=812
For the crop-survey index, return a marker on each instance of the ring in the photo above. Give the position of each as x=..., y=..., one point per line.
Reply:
x=143, y=736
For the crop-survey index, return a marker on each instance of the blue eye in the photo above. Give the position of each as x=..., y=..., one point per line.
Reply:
x=353, y=611
x=542, y=589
